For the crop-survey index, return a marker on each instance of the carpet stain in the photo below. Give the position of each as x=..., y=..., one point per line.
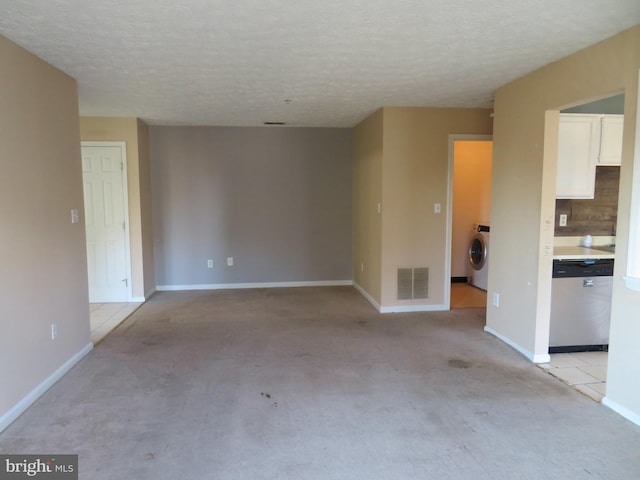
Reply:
x=267, y=395
x=362, y=323
x=153, y=340
x=459, y=363
x=149, y=456
x=62, y=422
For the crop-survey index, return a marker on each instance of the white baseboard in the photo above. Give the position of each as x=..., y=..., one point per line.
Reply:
x=413, y=308
x=544, y=358
x=137, y=299
x=623, y=411
x=398, y=308
x=368, y=297
x=541, y=358
x=20, y=407
x=231, y=286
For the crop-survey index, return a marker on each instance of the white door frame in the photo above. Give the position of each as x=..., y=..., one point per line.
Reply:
x=447, y=267
x=125, y=194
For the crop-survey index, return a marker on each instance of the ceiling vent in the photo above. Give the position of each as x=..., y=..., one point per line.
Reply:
x=413, y=283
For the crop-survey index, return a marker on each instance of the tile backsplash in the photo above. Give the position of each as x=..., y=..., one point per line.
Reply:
x=597, y=216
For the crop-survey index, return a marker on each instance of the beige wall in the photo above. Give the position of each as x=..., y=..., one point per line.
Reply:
x=414, y=178
x=367, y=194
x=135, y=135
x=471, y=197
x=401, y=160
x=146, y=227
x=43, y=268
x=523, y=203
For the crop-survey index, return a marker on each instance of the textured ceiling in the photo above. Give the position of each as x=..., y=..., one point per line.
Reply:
x=303, y=62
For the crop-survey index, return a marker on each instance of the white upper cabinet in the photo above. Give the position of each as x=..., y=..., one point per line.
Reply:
x=578, y=148
x=611, y=140
x=584, y=142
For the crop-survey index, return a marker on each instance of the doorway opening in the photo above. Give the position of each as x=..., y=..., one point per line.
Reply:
x=586, y=212
x=469, y=201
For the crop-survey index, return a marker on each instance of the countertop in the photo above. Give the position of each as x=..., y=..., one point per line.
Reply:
x=578, y=253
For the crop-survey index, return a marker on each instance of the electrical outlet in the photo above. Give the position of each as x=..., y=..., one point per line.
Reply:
x=496, y=299
x=563, y=219
x=229, y=261
x=209, y=263
x=54, y=331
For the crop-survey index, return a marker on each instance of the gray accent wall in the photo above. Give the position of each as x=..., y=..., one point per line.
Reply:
x=277, y=200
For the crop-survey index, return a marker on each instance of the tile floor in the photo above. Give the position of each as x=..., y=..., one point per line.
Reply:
x=107, y=316
x=584, y=371
x=464, y=295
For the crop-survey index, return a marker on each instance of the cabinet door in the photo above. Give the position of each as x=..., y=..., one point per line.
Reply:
x=611, y=140
x=578, y=148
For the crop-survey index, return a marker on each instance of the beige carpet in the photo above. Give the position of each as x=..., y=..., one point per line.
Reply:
x=312, y=383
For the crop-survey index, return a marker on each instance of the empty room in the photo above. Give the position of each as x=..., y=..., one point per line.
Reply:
x=229, y=247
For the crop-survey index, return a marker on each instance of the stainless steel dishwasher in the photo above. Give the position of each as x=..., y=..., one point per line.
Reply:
x=580, y=305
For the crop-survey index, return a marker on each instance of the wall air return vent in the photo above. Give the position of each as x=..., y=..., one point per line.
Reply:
x=405, y=283
x=413, y=283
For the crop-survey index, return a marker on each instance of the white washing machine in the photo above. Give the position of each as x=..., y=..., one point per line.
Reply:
x=478, y=265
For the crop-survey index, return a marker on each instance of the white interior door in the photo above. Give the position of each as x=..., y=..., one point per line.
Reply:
x=106, y=222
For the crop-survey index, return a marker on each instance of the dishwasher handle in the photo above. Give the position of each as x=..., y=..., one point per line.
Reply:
x=587, y=282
